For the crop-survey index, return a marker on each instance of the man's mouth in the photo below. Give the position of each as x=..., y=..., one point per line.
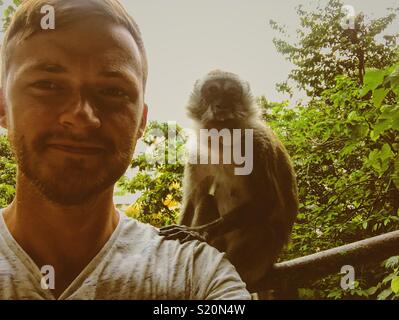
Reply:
x=77, y=148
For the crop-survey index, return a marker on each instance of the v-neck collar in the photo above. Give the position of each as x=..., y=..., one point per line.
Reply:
x=33, y=269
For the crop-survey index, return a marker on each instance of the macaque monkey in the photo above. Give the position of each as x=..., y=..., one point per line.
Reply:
x=248, y=214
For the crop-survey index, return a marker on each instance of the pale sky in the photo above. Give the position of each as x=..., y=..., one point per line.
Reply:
x=186, y=39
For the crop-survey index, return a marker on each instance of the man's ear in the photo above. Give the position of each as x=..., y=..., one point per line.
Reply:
x=143, y=121
x=3, y=112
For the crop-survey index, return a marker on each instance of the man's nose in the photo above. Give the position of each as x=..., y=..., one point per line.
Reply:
x=80, y=114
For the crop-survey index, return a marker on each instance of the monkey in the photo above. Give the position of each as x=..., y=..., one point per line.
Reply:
x=250, y=216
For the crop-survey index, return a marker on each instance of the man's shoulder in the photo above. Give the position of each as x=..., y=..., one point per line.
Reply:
x=135, y=232
x=143, y=239
x=152, y=266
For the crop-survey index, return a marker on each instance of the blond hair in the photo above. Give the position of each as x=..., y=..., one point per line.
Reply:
x=26, y=22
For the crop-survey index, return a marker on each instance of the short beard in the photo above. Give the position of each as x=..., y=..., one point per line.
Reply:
x=71, y=183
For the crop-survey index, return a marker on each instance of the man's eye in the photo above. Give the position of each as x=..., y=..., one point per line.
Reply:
x=114, y=92
x=46, y=85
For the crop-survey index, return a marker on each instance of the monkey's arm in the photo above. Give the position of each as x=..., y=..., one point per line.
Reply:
x=229, y=222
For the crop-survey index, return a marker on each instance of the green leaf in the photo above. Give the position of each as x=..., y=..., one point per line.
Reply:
x=353, y=117
x=395, y=174
x=379, y=160
x=348, y=149
x=395, y=285
x=379, y=96
x=373, y=160
x=372, y=290
x=393, y=78
x=389, y=278
x=392, y=262
x=384, y=294
x=360, y=131
x=389, y=119
x=389, y=112
x=386, y=152
x=381, y=126
x=372, y=79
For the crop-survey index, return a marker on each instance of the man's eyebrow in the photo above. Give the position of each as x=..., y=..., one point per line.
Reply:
x=107, y=73
x=126, y=76
x=47, y=67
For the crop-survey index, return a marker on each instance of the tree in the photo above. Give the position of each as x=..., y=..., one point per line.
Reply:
x=344, y=141
x=325, y=50
x=345, y=151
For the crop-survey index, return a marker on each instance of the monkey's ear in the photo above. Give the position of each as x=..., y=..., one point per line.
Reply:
x=143, y=121
x=3, y=111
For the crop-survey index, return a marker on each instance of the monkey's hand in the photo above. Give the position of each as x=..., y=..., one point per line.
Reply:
x=184, y=233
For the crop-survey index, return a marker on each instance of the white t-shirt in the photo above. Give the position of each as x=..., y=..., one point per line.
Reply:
x=135, y=263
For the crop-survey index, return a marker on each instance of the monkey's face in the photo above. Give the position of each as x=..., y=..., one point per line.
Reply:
x=221, y=99
x=222, y=96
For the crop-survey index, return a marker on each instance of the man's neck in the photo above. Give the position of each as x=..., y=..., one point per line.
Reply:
x=65, y=237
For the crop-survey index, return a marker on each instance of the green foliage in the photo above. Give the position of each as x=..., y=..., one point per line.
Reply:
x=345, y=151
x=7, y=173
x=344, y=142
x=157, y=178
x=389, y=286
x=324, y=50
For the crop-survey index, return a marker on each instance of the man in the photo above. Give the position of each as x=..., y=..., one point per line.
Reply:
x=73, y=104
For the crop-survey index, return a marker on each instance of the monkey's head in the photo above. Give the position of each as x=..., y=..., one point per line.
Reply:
x=221, y=99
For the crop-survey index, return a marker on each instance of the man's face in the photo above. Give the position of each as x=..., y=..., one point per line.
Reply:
x=74, y=102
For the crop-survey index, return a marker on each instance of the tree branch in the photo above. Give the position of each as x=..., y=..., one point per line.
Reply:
x=300, y=271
